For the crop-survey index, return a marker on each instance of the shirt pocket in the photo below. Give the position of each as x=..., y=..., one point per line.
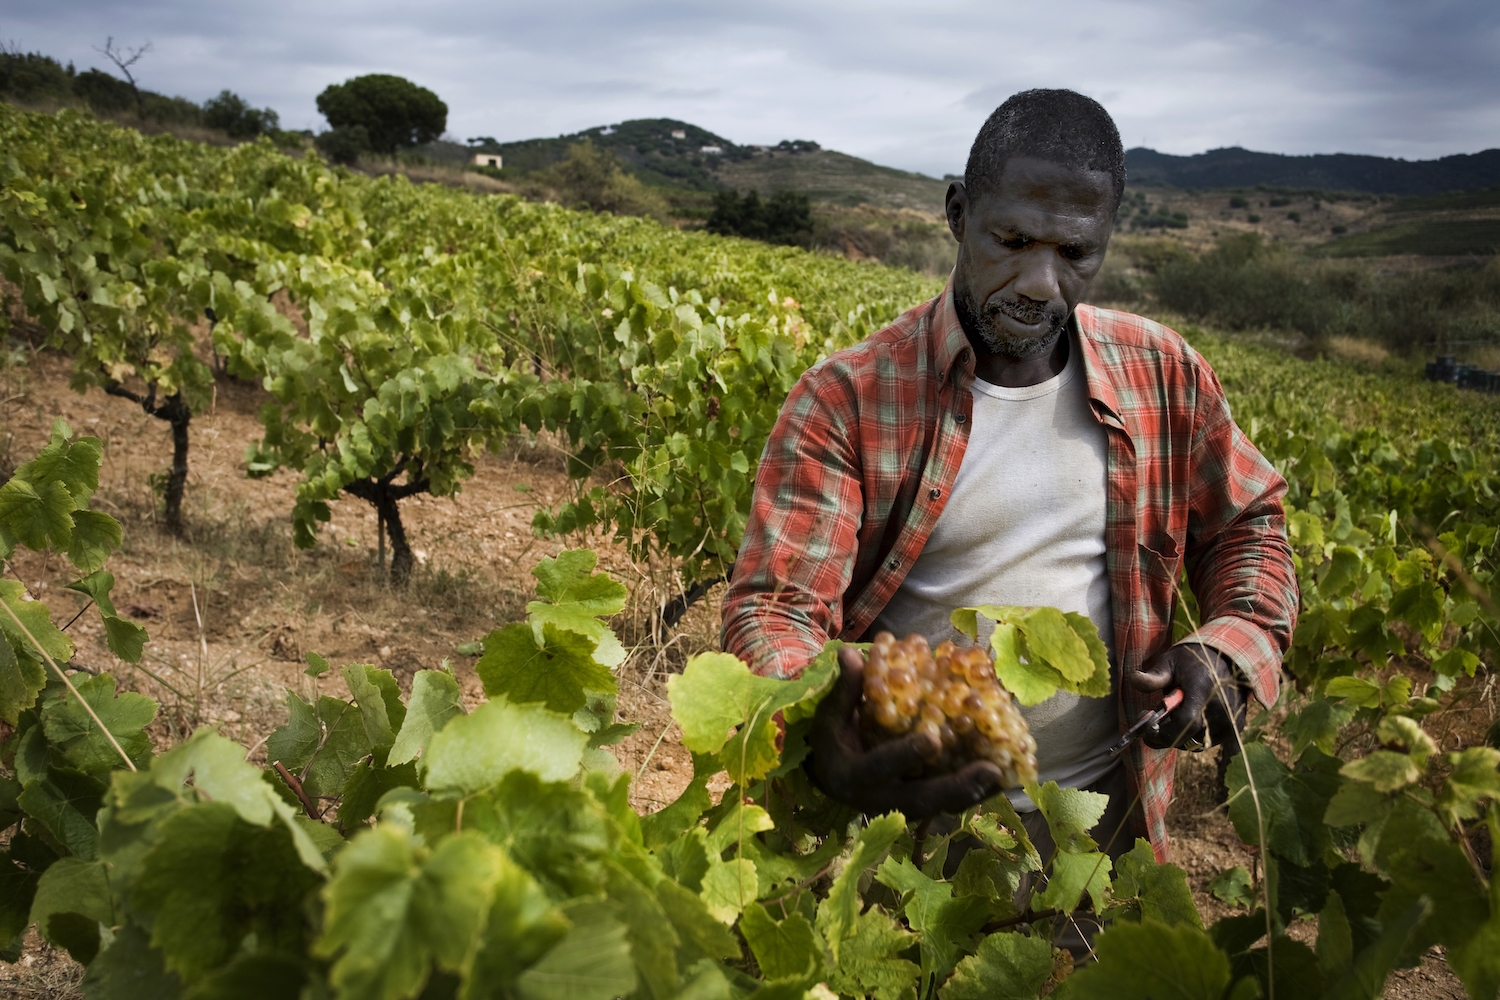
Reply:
x=1161, y=569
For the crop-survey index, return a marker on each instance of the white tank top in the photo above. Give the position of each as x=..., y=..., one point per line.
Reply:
x=1024, y=525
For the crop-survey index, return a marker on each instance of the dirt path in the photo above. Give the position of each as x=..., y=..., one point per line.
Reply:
x=232, y=608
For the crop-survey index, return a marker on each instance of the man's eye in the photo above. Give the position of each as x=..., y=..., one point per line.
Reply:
x=1073, y=253
x=1016, y=243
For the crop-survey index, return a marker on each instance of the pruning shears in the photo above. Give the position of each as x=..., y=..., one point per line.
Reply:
x=1149, y=722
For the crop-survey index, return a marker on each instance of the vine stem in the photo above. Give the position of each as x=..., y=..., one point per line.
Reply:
x=297, y=789
x=64, y=678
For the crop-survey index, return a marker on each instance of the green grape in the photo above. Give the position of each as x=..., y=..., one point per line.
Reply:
x=951, y=698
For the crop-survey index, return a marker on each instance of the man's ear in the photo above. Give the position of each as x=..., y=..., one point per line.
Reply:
x=956, y=206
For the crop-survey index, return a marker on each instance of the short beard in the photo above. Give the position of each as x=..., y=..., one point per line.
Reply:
x=984, y=324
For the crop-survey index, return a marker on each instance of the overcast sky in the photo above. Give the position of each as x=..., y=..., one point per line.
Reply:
x=904, y=84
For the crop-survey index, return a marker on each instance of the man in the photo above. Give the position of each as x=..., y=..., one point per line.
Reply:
x=1003, y=444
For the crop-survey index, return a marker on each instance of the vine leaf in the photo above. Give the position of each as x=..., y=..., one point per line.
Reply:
x=1145, y=960
x=392, y=912
x=473, y=752
x=838, y=913
x=72, y=730
x=576, y=598
x=434, y=700
x=869, y=963
x=72, y=900
x=724, y=709
x=559, y=667
x=786, y=949
x=1003, y=967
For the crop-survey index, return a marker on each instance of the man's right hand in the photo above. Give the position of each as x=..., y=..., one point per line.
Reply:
x=878, y=779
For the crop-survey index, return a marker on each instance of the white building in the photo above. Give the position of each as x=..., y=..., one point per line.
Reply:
x=678, y=133
x=488, y=160
x=711, y=150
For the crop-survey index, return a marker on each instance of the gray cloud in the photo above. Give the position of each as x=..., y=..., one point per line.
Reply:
x=902, y=84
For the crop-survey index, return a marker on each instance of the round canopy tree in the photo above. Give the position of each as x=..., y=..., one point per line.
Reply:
x=395, y=113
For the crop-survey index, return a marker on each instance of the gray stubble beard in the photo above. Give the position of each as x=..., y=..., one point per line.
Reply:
x=982, y=323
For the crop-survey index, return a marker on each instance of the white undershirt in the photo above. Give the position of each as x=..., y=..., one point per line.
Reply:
x=1024, y=525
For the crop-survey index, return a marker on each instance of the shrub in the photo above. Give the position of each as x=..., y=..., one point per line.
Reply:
x=230, y=113
x=1252, y=217
x=1294, y=216
x=343, y=145
x=1238, y=202
x=592, y=178
x=786, y=217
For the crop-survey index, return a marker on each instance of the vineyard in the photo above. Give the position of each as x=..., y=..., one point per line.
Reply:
x=470, y=833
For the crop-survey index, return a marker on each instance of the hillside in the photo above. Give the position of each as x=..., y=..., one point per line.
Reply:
x=1236, y=167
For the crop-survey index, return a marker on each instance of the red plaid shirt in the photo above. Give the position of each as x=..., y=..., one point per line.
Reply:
x=865, y=453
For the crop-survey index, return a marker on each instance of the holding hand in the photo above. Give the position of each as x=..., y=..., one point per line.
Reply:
x=1212, y=701
x=887, y=776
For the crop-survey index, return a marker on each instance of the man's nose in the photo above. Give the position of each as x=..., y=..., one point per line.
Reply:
x=1038, y=278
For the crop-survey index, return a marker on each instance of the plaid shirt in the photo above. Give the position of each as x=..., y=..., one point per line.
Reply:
x=864, y=456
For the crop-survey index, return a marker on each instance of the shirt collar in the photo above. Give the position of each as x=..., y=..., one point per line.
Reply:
x=951, y=348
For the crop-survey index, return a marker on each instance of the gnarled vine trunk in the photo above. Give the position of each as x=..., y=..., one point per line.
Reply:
x=385, y=496
x=174, y=410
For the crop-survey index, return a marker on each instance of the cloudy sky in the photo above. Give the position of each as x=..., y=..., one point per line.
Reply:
x=905, y=84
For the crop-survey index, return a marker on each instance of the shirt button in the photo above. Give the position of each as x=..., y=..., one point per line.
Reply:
x=934, y=493
x=959, y=418
x=894, y=564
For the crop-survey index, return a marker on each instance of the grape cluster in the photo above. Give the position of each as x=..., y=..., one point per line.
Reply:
x=951, y=696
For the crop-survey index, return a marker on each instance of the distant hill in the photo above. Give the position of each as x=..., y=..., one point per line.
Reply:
x=1240, y=168
x=671, y=154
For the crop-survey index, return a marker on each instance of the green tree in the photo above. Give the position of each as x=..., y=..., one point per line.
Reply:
x=232, y=114
x=590, y=177
x=396, y=113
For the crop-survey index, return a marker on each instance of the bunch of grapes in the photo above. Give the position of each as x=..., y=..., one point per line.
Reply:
x=952, y=697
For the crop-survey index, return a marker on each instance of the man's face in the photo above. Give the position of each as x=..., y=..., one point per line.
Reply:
x=1027, y=252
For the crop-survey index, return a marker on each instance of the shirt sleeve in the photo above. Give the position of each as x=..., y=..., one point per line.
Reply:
x=786, y=596
x=1239, y=562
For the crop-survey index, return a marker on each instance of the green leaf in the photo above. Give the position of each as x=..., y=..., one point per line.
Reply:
x=17, y=888
x=211, y=879
x=1335, y=945
x=1387, y=770
x=1072, y=876
x=294, y=743
x=869, y=962
x=784, y=949
x=220, y=773
x=125, y=638
x=1475, y=779
x=1162, y=889
x=21, y=680
x=522, y=926
x=1003, y=967
x=1148, y=960
x=717, y=693
x=365, y=788
x=95, y=536
x=576, y=598
x=653, y=939
x=1039, y=651
x=393, y=911
x=839, y=912
x=317, y=665
x=945, y=923
x=1366, y=979
x=65, y=802
x=72, y=730
x=34, y=616
x=434, y=700
x=75, y=465
x=37, y=516
x=473, y=752
x=728, y=886
x=77, y=888
x=558, y=670
x=703, y=936
x=97, y=585
x=379, y=700
x=553, y=830
x=1233, y=886
x=591, y=963
x=1291, y=803
x=130, y=969
x=339, y=742
x=1070, y=813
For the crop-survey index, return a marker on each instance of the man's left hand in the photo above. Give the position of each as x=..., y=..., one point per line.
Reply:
x=1212, y=701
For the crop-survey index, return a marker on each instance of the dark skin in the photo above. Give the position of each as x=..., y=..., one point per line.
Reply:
x=1028, y=250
